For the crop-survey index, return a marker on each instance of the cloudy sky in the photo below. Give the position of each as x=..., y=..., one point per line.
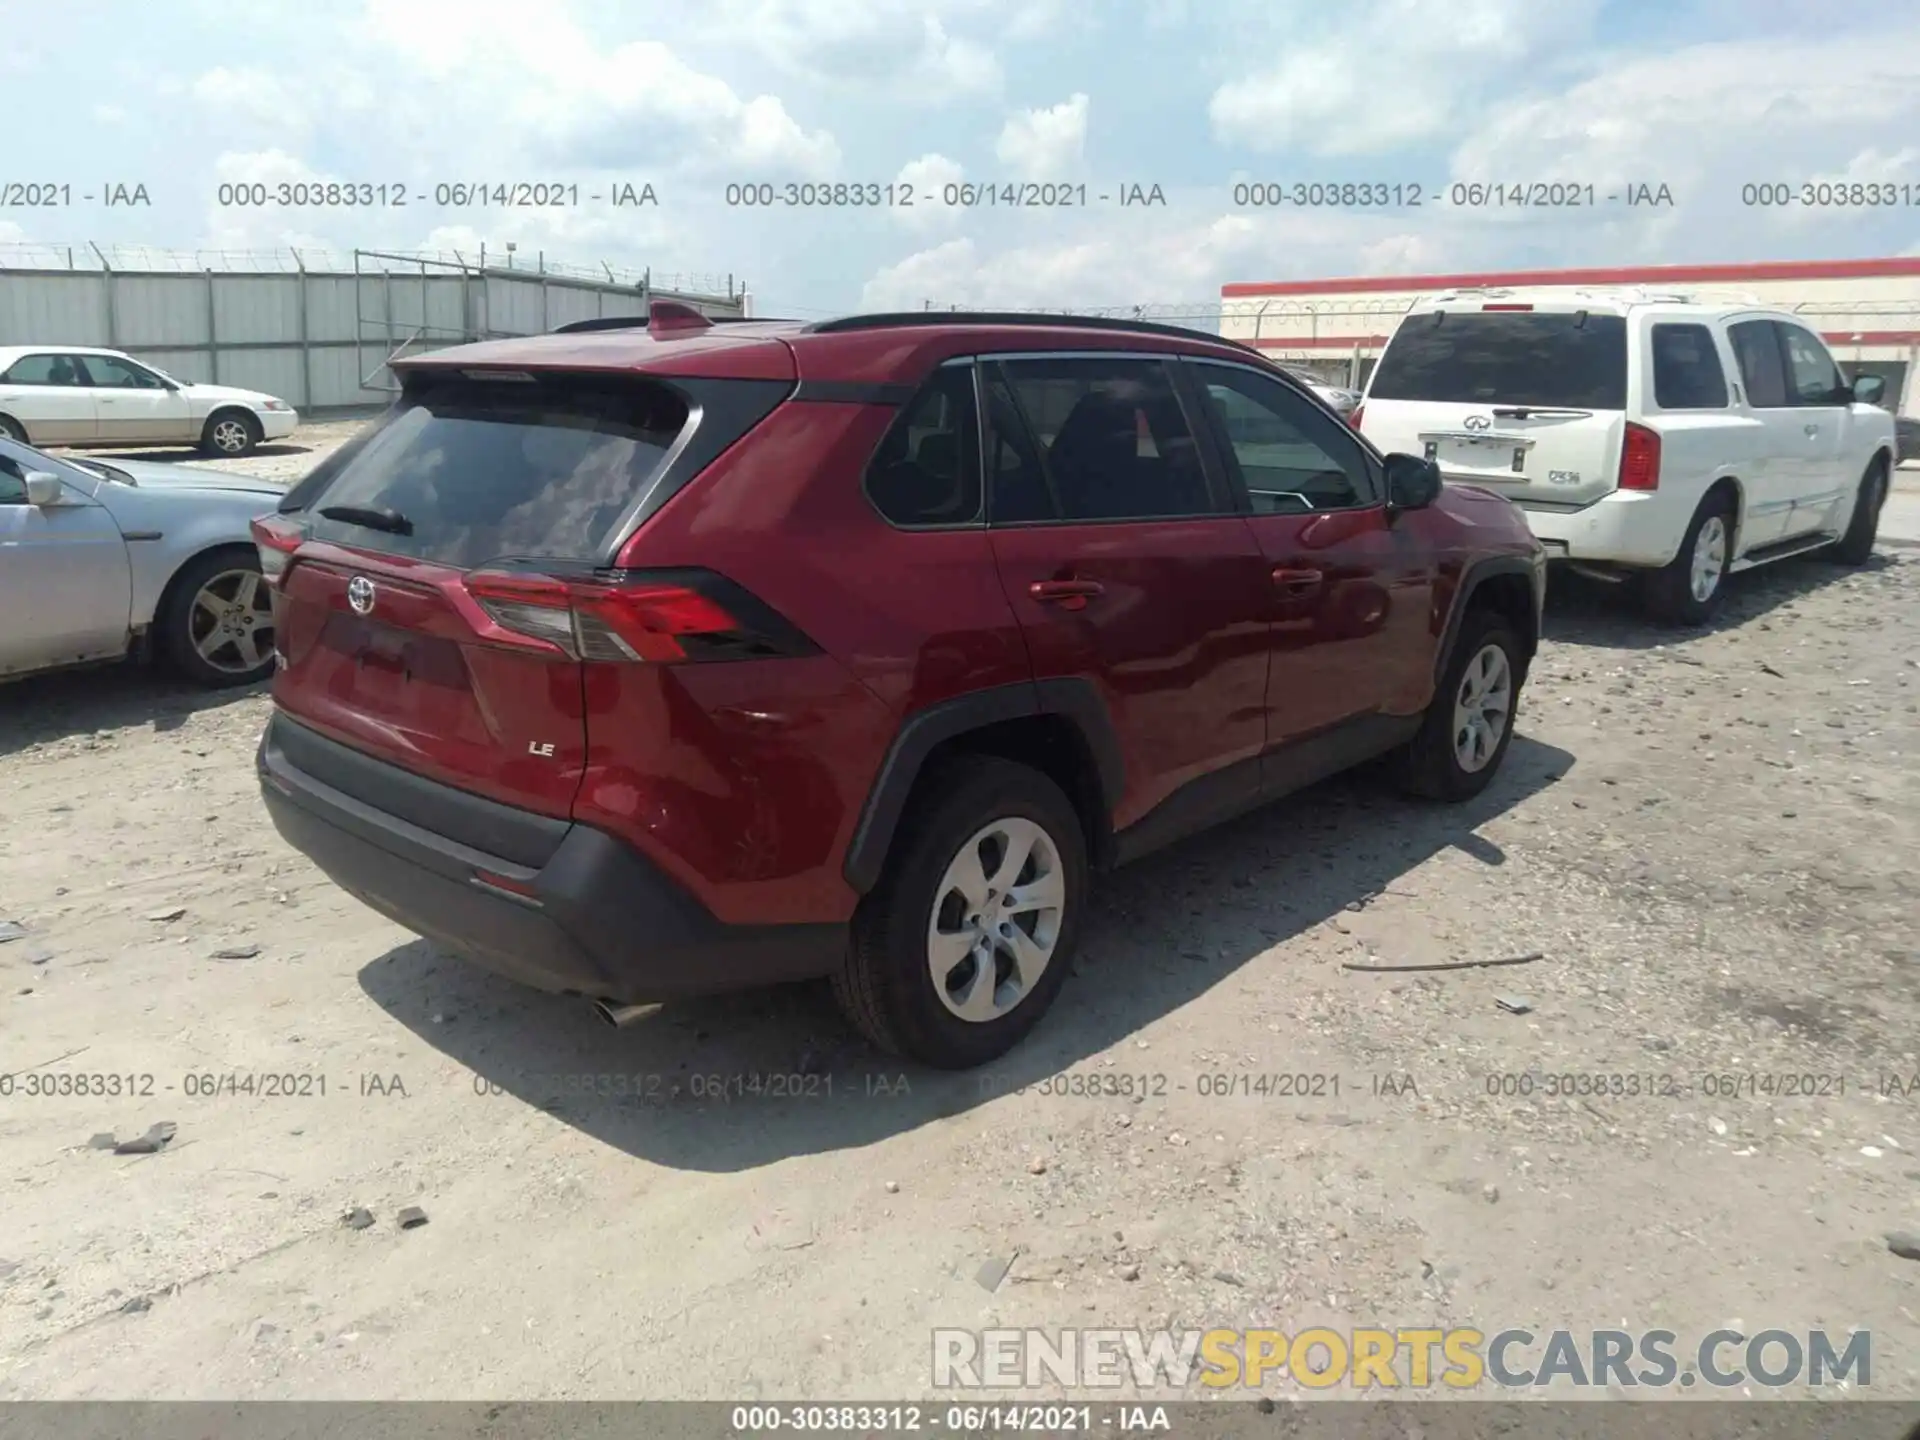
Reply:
x=1195, y=97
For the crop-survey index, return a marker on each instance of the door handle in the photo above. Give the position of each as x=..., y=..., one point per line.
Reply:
x=1297, y=582
x=1811, y=429
x=1067, y=594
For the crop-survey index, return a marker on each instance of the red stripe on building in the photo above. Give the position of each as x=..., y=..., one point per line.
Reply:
x=1891, y=267
x=1348, y=342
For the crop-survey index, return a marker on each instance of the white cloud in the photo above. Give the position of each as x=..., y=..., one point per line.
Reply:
x=927, y=177
x=1392, y=73
x=253, y=97
x=1707, y=120
x=1045, y=144
x=900, y=47
x=560, y=92
x=1170, y=257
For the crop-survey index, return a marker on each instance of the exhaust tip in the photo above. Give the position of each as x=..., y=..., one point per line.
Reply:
x=620, y=1015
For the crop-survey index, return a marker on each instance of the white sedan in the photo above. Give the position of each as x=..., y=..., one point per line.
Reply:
x=100, y=561
x=70, y=395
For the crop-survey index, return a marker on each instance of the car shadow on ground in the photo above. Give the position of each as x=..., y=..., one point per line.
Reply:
x=42, y=708
x=1607, y=616
x=692, y=1085
x=180, y=454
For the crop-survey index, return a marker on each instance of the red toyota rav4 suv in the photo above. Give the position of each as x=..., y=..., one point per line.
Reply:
x=656, y=657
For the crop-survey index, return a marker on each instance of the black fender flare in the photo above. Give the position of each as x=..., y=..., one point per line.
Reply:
x=1072, y=698
x=1472, y=577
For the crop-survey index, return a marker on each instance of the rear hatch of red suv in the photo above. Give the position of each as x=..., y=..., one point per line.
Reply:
x=437, y=586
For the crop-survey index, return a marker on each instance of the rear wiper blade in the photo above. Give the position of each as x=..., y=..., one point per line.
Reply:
x=371, y=517
x=1527, y=412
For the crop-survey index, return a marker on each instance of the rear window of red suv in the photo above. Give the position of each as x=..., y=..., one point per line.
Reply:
x=482, y=470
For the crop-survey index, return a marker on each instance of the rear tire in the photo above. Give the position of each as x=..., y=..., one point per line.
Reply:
x=1687, y=590
x=12, y=429
x=922, y=918
x=217, y=616
x=229, y=433
x=1468, y=726
x=1856, y=546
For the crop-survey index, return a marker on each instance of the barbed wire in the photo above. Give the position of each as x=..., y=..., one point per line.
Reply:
x=150, y=259
x=1906, y=313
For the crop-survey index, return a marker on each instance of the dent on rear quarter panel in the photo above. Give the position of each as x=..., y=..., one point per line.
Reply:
x=743, y=780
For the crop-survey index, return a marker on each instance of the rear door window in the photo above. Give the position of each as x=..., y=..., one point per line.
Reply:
x=483, y=470
x=1756, y=349
x=43, y=370
x=1686, y=369
x=1549, y=360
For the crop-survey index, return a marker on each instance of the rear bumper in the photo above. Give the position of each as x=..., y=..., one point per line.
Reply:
x=599, y=918
x=1624, y=528
x=277, y=424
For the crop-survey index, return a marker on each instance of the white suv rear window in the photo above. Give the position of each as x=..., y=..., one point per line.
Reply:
x=1575, y=361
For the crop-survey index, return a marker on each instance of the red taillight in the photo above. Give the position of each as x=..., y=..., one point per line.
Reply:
x=276, y=537
x=644, y=618
x=1353, y=416
x=1506, y=307
x=1640, y=459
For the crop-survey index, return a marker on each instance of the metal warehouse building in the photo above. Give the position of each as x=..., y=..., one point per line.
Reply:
x=314, y=328
x=1868, y=310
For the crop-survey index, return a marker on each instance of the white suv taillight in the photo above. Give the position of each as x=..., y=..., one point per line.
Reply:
x=1640, y=458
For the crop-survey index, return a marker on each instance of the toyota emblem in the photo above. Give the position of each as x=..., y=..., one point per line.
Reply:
x=360, y=595
x=1479, y=422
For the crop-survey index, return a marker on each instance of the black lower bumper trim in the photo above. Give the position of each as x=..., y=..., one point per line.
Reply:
x=600, y=920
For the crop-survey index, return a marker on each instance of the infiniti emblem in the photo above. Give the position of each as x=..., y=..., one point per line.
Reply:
x=1478, y=422
x=360, y=595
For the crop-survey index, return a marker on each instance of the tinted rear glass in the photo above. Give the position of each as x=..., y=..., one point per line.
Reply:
x=1530, y=358
x=484, y=470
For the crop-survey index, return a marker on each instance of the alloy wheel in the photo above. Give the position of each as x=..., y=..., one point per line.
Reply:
x=1482, y=708
x=996, y=919
x=230, y=622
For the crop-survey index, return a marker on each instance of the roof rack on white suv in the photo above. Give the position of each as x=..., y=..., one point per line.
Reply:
x=1618, y=294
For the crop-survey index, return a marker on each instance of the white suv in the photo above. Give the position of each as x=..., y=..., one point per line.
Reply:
x=73, y=395
x=1645, y=435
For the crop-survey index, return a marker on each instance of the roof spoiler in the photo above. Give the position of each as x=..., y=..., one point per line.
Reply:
x=664, y=320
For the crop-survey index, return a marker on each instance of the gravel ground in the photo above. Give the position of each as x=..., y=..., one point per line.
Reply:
x=1709, y=840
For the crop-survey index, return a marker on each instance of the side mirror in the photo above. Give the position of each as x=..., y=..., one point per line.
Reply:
x=1412, y=483
x=1867, y=389
x=44, y=489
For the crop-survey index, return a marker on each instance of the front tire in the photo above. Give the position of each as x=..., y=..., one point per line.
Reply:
x=967, y=939
x=12, y=429
x=1687, y=590
x=1856, y=546
x=230, y=433
x=1469, y=724
x=216, y=628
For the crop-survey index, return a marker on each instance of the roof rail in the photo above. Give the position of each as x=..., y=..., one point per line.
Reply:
x=909, y=319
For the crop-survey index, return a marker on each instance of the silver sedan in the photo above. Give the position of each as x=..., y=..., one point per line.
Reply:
x=100, y=561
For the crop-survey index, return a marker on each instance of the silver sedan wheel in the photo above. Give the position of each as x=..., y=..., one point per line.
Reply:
x=1482, y=708
x=230, y=436
x=1709, y=559
x=996, y=919
x=230, y=622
